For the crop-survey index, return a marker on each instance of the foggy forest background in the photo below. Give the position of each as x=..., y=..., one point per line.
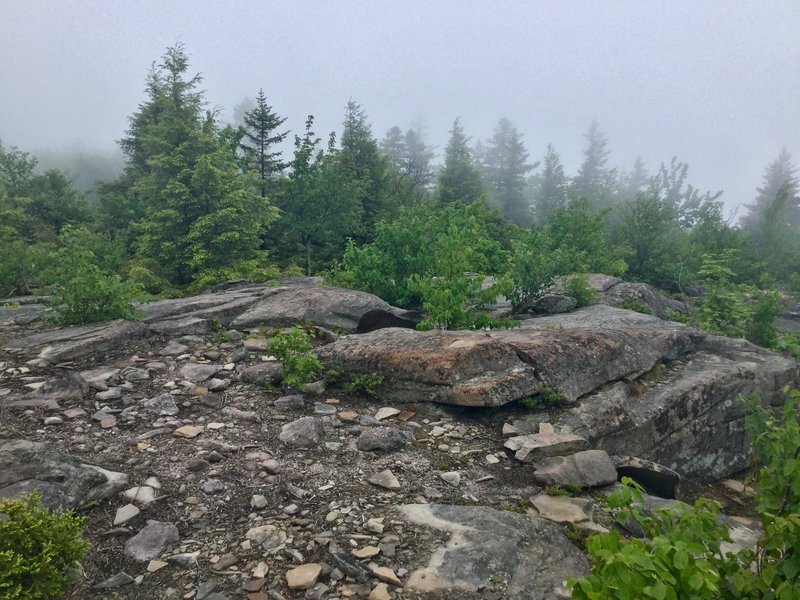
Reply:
x=200, y=200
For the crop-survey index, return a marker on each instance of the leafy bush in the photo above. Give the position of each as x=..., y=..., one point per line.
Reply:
x=367, y=384
x=577, y=286
x=293, y=349
x=433, y=258
x=37, y=550
x=83, y=292
x=680, y=555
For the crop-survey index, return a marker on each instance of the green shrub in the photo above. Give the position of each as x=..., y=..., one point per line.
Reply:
x=577, y=286
x=680, y=555
x=38, y=551
x=640, y=307
x=293, y=349
x=367, y=384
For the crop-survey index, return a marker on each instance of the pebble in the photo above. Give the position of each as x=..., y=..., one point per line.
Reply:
x=125, y=514
x=386, y=412
x=53, y=421
x=303, y=577
x=188, y=431
x=380, y=592
x=385, y=479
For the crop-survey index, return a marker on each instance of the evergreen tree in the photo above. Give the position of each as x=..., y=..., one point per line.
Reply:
x=321, y=200
x=506, y=167
x=594, y=180
x=202, y=220
x=459, y=179
x=551, y=187
x=408, y=161
x=780, y=177
x=361, y=155
x=418, y=163
x=260, y=138
x=636, y=182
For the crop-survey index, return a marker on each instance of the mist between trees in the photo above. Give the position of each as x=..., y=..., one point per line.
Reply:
x=201, y=201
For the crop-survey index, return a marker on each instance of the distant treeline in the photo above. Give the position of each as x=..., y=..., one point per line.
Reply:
x=200, y=201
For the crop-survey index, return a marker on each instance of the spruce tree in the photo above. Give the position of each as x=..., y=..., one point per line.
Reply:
x=259, y=140
x=459, y=179
x=506, y=167
x=551, y=190
x=595, y=180
x=203, y=220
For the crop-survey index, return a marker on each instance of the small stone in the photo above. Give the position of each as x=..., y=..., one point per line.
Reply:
x=324, y=409
x=74, y=413
x=303, y=577
x=386, y=412
x=255, y=585
x=142, y=494
x=113, y=393
x=162, y=405
x=562, y=509
x=156, y=565
x=374, y=525
x=738, y=487
x=115, y=581
x=217, y=385
x=213, y=486
x=304, y=431
x=53, y=421
x=188, y=431
x=535, y=446
x=509, y=430
x=385, y=479
x=215, y=425
x=451, y=477
x=258, y=501
x=545, y=427
x=227, y=560
x=366, y=552
x=293, y=402
x=291, y=509
x=109, y=422
x=184, y=560
x=125, y=514
x=381, y=592
x=315, y=387
x=491, y=459
x=198, y=373
x=151, y=541
x=386, y=574
x=380, y=439
x=240, y=415
x=348, y=416
x=261, y=570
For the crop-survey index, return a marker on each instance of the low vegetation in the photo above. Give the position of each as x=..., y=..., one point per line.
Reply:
x=39, y=551
x=680, y=555
x=292, y=347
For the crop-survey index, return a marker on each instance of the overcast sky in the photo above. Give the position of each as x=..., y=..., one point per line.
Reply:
x=716, y=84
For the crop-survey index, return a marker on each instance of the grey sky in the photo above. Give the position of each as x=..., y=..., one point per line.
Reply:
x=715, y=83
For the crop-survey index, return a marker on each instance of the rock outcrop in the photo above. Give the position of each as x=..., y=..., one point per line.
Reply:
x=531, y=556
x=62, y=481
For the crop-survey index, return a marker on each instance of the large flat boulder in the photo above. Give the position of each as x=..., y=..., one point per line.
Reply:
x=518, y=556
x=467, y=368
x=69, y=343
x=325, y=306
x=688, y=417
x=63, y=481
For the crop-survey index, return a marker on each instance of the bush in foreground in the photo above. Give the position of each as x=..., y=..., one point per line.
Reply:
x=38, y=550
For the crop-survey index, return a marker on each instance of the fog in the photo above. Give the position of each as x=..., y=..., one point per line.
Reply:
x=714, y=83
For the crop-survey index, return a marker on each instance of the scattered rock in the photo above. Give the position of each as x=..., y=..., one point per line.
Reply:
x=532, y=555
x=536, y=446
x=303, y=577
x=386, y=412
x=162, y=405
x=380, y=439
x=562, y=509
x=188, y=431
x=304, y=431
x=197, y=372
x=125, y=514
x=588, y=468
x=151, y=541
x=115, y=581
x=385, y=479
x=451, y=477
